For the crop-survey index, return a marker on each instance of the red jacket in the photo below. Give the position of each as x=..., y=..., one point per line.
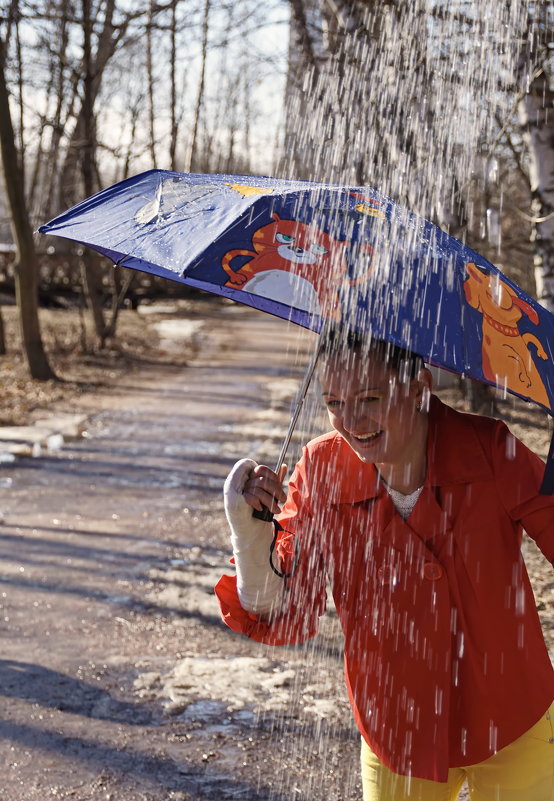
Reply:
x=444, y=655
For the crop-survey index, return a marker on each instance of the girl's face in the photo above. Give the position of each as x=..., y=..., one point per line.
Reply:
x=372, y=408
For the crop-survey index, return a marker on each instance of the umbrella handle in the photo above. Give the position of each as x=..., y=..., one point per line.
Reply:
x=265, y=514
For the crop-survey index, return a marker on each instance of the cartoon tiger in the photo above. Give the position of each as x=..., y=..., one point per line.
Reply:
x=302, y=250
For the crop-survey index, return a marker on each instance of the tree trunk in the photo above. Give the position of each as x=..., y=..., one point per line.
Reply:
x=150, y=82
x=121, y=284
x=25, y=267
x=536, y=114
x=193, y=155
x=82, y=145
x=92, y=274
x=372, y=88
x=59, y=67
x=21, y=145
x=134, y=110
x=3, y=350
x=173, y=97
x=247, y=117
x=478, y=396
x=107, y=43
x=94, y=294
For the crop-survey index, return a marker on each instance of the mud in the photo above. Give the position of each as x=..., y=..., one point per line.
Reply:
x=118, y=680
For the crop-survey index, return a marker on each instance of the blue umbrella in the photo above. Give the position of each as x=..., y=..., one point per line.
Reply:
x=319, y=254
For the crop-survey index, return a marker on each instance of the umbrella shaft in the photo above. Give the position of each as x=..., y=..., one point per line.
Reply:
x=299, y=403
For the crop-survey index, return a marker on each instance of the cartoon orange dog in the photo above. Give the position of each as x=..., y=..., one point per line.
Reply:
x=302, y=250
x=506, y=359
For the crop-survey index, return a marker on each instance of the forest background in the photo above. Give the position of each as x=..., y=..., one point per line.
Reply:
x=445, y=105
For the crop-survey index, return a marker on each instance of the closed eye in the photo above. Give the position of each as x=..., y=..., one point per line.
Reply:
x=333, y=403
x=284, y=239
x=319, y=249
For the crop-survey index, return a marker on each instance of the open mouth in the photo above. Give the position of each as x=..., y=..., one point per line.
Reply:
x=366, y=439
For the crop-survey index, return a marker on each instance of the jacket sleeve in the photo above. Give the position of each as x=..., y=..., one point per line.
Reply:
x=518, y=473
x=305, y=590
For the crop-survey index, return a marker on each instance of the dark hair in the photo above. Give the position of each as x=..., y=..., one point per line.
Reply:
x=339, y=340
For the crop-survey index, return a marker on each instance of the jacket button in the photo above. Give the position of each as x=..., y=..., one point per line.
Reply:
x=432, y=571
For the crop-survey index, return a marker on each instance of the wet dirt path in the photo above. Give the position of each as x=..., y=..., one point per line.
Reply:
x=117, y=679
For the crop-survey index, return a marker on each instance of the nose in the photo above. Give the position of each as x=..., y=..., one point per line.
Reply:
x=354, y=419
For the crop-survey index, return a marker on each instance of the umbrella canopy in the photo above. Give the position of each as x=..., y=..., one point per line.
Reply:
x=312, y=253
x=320, y=254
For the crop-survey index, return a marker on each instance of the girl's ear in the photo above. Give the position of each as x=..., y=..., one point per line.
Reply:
x=425, y=385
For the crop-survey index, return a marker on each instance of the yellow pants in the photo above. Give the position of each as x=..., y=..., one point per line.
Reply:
x=523, y=771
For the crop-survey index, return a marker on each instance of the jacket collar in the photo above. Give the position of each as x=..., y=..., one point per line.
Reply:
x=455, y=451
x=455, y=455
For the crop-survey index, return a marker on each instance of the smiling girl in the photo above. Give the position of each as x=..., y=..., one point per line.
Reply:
x=413, y=513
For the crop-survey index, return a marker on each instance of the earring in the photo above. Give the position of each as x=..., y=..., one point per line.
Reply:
x=423, y=404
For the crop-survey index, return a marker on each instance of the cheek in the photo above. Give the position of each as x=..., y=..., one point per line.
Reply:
x=402, y=414
x=334, y=420
x=399, y=401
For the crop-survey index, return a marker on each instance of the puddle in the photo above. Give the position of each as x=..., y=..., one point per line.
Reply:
x=55, y=442
x=191, y=447
x=205, y=710
x=242, y=687
x=119, y=600
x=157, y=308
x=246, y=717
x=174, y=332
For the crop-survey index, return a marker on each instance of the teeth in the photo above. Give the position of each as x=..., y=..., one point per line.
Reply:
x=366, y=436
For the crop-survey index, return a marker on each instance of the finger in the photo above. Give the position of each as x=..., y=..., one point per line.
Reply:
x=260, y=497
x=268, y=483
x=262, y=471
x=253, y=501
x=282, y=472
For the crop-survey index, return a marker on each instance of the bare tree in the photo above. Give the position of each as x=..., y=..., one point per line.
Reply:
x=135, y=107
x=64, y=91
x=193, y=155
x=92, y=276
x=536, y=115
x=102, y=48
x=392, y=95
x=150, y=85
x=173, y=109
x=3, y=349
x=85, y=64
x=380, y=93
x=25, y=267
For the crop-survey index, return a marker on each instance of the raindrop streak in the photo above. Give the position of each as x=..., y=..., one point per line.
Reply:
x=460, y=644
x=493, y=737
x=400, y=97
